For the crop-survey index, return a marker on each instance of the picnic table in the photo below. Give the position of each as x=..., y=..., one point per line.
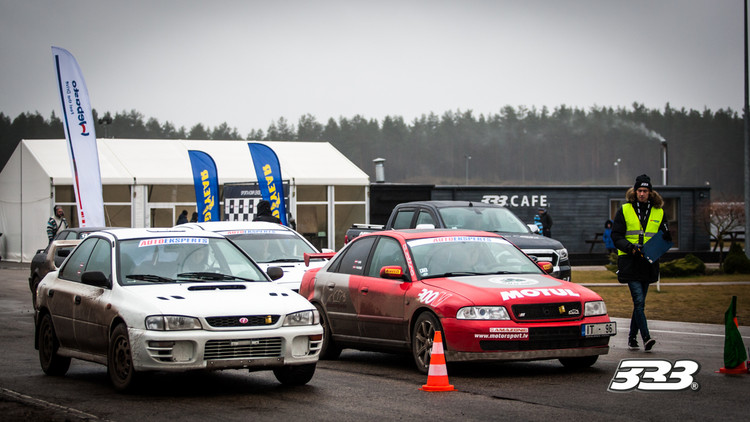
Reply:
x=597, y=239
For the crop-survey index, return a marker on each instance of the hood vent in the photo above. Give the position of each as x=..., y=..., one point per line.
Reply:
x=218, y=287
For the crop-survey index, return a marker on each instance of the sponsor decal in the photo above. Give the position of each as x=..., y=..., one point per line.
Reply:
x=520, y=294
x=505, y=333
x=430, y=297
x=513, y=281
x=449, y=239
x=654, y=375
x=258, y=231
x=173, y=241
x=409, y=263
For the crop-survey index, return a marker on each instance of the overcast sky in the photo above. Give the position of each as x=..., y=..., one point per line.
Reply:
x=248, y=63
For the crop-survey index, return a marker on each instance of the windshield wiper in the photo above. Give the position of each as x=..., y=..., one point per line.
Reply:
x=212, y=276
x=453, y=274
x=151, y=278
x=285, y=260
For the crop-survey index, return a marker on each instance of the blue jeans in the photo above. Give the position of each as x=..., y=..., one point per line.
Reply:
x=638, y=290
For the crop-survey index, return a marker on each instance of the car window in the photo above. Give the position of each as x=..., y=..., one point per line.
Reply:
x=101, y=258
x=354, y=257
x=269, y=246
x=491, y=219
x=425, y=217
x=403, y=219
x=76, y=264
x=387, y=252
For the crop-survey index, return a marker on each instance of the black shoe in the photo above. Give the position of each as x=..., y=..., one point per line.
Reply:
x=632, y=344
x=649, y=344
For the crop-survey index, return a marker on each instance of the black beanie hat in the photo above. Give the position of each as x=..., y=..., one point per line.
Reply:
x=642, y=181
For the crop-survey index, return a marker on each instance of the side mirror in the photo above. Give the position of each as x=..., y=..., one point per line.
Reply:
x=275, y=272
x=545, y=266
x=533, y=228
x=393, y=272
x=95, y=278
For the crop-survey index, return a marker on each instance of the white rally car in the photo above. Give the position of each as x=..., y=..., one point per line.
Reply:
x=270, y=244
x=141, y=300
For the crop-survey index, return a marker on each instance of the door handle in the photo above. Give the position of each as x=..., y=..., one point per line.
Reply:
x=364, y=290
x=50, y=293
x=331, y=286
x=77, y=300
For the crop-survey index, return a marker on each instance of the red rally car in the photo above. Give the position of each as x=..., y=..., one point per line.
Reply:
x=391, y=290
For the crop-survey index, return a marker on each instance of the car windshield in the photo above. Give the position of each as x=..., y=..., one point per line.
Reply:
x=271, y=246
x=468, y=255
x=183, y=259
x=490, y=219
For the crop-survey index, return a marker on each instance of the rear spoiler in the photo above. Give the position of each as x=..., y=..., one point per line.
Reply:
x=326, y=255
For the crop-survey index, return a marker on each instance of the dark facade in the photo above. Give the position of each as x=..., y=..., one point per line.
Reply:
x=578, y=212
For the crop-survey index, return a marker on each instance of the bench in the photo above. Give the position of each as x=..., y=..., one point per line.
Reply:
x=593, y=242
x=733, y=237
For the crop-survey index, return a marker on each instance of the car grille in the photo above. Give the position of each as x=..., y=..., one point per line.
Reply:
x=242, y=321
x=560, y=311
x=544, y=338
x=243, y=348
x=544, y=255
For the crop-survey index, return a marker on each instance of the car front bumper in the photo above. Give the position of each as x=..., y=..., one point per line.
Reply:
x=204, y=349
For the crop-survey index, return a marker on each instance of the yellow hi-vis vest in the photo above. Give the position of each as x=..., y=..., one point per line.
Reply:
x=633, y=229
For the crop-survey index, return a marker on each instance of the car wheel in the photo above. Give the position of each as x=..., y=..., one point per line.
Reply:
x=329, y=350
x=421, y=340
x=52, y=363
x=579, y=363
x=120, y=360
x=295, y=375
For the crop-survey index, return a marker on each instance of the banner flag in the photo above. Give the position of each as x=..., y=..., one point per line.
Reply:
x=734, y=348
x=206, y=182
x=268, y=172
x=79, y=132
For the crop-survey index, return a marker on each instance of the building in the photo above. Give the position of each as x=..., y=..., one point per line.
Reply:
x=147, y=183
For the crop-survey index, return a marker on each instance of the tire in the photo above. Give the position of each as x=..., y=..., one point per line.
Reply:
x=120, y=360
x=421, y=339
x=295, y=375
x=579, y=363
x=52, y=363
x=329, y=350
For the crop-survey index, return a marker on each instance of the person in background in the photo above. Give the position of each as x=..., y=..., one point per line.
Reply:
x=607, y=236
x=194, y=218
x=636, y=222
x=265, y=214
x=182, y=219
x=546, y=220
x=538, y=222
x=56, y=223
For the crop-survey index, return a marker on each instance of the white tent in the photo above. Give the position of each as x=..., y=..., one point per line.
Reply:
x=38, y=167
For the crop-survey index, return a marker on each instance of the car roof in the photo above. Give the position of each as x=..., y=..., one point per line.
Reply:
x=223, y=226
x=450, y=204
x=157, y=232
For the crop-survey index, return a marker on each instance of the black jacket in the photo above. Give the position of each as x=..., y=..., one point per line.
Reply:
x=634, y=267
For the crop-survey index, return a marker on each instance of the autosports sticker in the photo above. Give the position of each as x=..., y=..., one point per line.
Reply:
x=258, y=231
x=449, y=239
x=500, y=333
x=430, y=297
x=173, y=241
x=520, y=294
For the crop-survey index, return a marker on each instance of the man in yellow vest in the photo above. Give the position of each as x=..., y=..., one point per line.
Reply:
x=636, y=222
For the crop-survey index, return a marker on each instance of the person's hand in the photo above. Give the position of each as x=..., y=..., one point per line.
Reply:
x=635, y=250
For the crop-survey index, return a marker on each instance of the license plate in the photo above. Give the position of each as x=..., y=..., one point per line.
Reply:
x=598, y=330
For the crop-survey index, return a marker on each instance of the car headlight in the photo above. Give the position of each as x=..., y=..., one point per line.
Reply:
x=562, y=253
x=595, y=308
x=172, y=323
x=302, y=318
x=483, y=312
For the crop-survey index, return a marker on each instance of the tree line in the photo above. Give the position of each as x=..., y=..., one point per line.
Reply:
x=514, y=146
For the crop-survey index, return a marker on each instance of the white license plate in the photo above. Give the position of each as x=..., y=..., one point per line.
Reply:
x=598, y=330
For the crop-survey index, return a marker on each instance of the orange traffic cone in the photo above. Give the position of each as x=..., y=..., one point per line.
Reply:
x=437, y=376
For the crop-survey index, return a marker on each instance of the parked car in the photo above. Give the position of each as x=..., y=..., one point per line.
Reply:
x=269, y=244
x=140, y=300
x=391, y=290
x=468, y=215
x=50, y=258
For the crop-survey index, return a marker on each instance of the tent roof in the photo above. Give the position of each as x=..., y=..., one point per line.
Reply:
x=166, y=161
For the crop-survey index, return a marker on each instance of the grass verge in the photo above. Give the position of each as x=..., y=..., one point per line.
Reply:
x=703, y=304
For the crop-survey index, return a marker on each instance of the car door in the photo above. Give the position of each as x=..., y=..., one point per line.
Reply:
x=338, y=287
x=381, y=300
x=62, y=293
x=92, y=315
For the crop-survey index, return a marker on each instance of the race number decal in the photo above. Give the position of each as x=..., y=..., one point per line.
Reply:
x=654, y=375
x=430, y=297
